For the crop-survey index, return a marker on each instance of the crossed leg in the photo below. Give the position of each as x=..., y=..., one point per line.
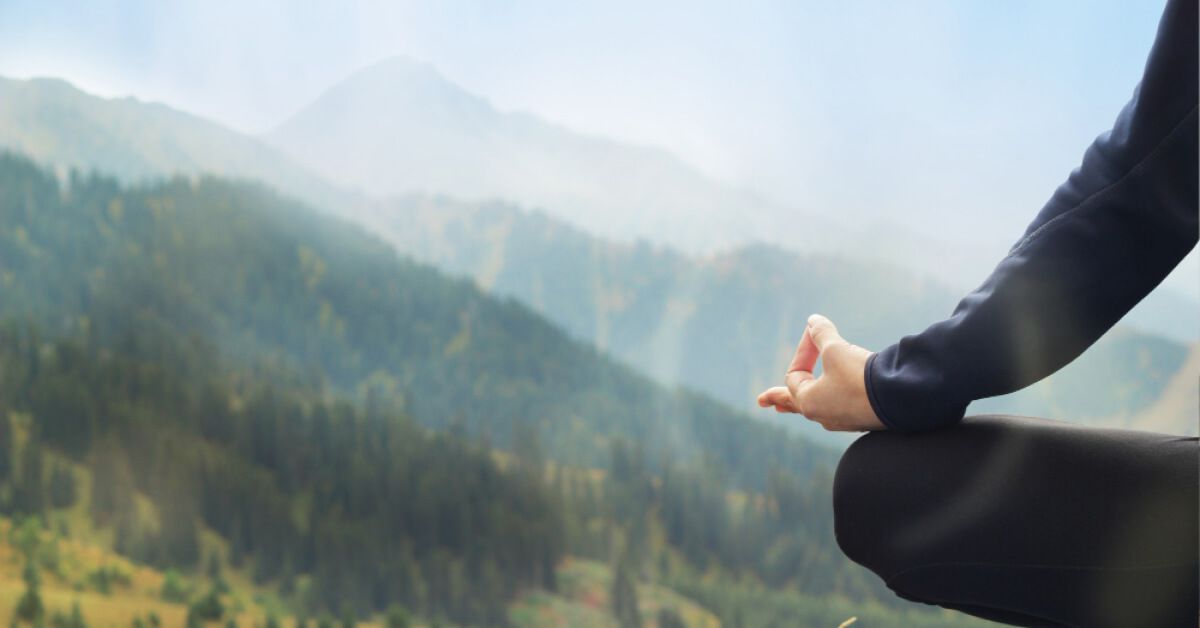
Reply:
x=1031, y=522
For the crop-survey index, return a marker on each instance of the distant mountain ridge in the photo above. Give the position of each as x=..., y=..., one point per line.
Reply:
x=63, y=127
x=59, y=125
x=727, y=323
x=399, y=127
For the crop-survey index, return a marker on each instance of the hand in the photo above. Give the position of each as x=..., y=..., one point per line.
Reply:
x=838, y=398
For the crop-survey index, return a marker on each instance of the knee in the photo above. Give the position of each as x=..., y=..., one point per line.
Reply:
x=889, y=484
x=861, y=529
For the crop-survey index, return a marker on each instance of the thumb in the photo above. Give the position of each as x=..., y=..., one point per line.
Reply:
x=798, y=384
x=824, y=334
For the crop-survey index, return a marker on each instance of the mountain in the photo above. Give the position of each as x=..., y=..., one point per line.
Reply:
x=637, y=192
x=263, y=275
x=207, y=375
x=1136, y=371
x=727, y=323
x=1169, y=311
x=398, y=127
x=1175, y=409
x=61, y=126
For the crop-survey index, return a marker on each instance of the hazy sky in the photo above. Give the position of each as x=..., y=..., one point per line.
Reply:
x=960, y=116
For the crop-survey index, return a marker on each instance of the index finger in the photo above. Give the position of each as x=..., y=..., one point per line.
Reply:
x=806, y=353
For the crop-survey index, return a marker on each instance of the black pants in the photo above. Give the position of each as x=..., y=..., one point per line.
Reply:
x=1028, y=521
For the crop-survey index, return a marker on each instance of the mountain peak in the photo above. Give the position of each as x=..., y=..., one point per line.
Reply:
x=399, y=76
x=398, y=127
x=394, y=88
x=398, y=67
x=41, y=85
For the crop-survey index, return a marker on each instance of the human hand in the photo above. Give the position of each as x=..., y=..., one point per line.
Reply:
x=838, y=398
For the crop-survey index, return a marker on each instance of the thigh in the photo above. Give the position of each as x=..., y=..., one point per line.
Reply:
x=1027, y=520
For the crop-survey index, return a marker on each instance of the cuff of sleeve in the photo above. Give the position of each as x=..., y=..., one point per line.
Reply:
x=869, y=380
x=911, y=407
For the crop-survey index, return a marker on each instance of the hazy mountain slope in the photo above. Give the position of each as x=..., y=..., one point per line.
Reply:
x=1176, y=409
x=64, y=127
x=1122, y=380
x=726, y=324
x=61, y=126
x=1170, y=312
x=399, y=126
x=264, y=276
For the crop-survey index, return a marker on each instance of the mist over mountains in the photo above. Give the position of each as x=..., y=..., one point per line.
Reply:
x=62, y=126
x=399, y=127
x=663, y=299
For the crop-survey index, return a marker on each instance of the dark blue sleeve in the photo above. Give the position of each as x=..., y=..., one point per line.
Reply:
x=1111, y=233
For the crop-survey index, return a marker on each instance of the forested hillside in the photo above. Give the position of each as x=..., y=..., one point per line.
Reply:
x=201, y=359
x=373, y=509
x=344, y=506
x=264, y=277
x=722, y=324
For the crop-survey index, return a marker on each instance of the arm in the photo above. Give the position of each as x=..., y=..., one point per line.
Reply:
x=1121, y=222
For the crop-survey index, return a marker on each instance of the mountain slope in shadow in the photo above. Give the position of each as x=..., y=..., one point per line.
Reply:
x=266, y=278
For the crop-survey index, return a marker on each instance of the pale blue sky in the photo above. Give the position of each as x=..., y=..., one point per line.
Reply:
x=955, y=116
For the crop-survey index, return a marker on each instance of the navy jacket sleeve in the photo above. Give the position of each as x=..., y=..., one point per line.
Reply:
x=1111, y=233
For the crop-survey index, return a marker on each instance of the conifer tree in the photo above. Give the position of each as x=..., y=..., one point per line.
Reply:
x=624, y=595
x=29, y=608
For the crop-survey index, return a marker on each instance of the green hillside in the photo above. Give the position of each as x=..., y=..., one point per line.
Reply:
x=262, y=276
x=61, y=126
x=261, y=484
x=205, y=377
x=723, y=324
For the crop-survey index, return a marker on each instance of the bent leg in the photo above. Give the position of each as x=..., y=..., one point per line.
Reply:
x=1028, y=521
